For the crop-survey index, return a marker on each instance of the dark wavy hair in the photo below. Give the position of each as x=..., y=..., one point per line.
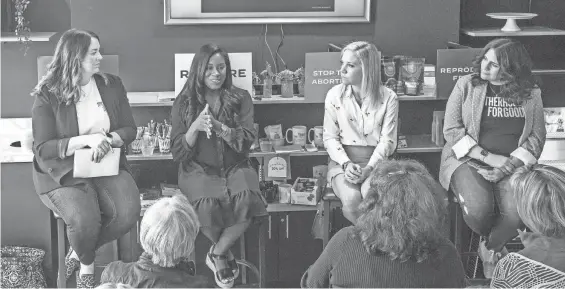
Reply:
x=403, y=213
x=65, y=69
x=515, y=69
x=193, y=92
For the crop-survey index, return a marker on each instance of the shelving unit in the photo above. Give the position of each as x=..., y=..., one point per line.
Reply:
x=429, y=94
x=416, y=144
x=526, y=31
x=33, y=36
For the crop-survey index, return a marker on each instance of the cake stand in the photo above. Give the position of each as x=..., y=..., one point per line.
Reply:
x=511, y=18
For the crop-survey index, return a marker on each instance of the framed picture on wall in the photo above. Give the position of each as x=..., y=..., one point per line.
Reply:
x=183, y=12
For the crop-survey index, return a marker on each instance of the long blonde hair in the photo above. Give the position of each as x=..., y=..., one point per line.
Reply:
x=370, y=58
x=64, y=71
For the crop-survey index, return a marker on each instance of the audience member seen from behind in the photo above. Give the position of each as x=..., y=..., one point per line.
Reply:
x=113, y=286
x=494, y=123
x=168, y=230
x=360, y=124
x=397, y=241
x=540, y=195
x=211, y=138
x=76, y=106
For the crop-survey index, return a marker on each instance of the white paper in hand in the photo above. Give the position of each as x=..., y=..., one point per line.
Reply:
x=85, y=167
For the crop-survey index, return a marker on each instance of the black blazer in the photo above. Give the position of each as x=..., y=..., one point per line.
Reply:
x=54, y=123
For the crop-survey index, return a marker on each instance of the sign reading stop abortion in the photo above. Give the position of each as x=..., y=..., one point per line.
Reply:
x=322, y=73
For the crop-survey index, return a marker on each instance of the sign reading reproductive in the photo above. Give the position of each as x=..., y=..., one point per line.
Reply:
x=452, y=64
x=322, y=73
x=240, y=70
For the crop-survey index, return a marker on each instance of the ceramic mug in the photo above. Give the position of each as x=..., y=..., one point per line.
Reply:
x=318, y=139
x=298, y=135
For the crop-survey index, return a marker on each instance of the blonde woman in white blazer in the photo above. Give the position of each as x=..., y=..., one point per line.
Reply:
x=360, y=124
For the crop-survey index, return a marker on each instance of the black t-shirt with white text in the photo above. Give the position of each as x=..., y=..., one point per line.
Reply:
x=502, y=124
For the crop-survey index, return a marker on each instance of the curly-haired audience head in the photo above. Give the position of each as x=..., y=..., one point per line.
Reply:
x=77, y=52
x=370, y=59
x=168, y=230
x=515, y=68
x=540, y=198
x=402, y=215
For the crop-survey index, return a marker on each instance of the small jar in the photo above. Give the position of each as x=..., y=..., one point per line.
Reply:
x=287, y=89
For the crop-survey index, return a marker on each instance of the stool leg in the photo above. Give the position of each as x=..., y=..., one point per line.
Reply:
x=243, y=256
x=325, y=223
x=262, y=253
x=61, y=281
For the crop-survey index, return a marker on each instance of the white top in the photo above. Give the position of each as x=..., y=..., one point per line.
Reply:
x=345, y=123
x=91, y=112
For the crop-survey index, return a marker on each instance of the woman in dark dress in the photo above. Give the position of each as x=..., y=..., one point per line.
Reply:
x=211, y=137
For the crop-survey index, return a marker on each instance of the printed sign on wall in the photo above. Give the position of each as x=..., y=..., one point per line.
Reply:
x=241, y=70
x=322, y=73
x=452, y=64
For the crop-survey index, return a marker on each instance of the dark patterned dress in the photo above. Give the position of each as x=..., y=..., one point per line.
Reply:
x=216, y=173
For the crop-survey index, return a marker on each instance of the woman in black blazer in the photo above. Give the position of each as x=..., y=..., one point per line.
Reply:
x=75, y=107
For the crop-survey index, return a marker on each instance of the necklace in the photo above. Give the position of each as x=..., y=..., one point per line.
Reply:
x=87, y=89
x=215, y=108
x=493, y=90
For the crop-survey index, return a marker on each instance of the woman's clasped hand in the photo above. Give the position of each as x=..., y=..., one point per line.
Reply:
x=100, y=145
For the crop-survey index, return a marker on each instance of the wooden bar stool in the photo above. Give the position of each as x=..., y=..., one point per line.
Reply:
x=259, y=271
x=468, y=254
x=61, y=251
x=330, y=201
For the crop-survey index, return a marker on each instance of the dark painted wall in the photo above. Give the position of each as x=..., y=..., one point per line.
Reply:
x=415, y=27
x=134, y=30
x=25, y=220
x=19, y=71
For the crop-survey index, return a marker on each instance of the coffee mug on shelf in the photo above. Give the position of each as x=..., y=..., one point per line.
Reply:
x=318, y=139
x=298, y=135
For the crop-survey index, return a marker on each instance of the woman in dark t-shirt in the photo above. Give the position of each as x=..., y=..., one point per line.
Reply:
x=494, y=123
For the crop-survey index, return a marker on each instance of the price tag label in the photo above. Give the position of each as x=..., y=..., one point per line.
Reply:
x=277, y=168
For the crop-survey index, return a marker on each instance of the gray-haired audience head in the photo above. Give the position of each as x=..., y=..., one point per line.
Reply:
x=168, y=230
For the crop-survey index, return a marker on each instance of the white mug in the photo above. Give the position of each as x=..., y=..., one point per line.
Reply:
x=298, y=135
x=318, y=139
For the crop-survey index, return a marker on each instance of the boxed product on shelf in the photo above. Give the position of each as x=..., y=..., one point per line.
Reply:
x=554, y=121
x=305, y=191
x=169, y=190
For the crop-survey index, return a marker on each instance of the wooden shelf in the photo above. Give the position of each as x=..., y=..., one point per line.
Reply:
x=144, y=104
x=419, y=144
x=549, y=67
x=526, y=31
x=277, y=207
x=33, y=36
x=155, y=157
x=260, y=154
x=277, y=99
x=416, y=144
x=271, y=207
x=429, y=94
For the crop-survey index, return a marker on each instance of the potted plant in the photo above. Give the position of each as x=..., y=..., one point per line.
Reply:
x=268, y=76
x=286, y=78
x=22, y=29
